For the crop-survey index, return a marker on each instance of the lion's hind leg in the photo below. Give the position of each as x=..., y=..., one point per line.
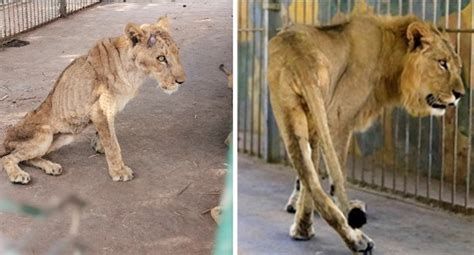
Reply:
x=23, y=150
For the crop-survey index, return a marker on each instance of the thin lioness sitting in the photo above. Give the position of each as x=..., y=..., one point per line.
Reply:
x=92, y=90
x=327, y=82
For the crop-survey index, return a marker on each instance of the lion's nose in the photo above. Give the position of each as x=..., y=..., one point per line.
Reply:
x=179, y=81
x=457, y=94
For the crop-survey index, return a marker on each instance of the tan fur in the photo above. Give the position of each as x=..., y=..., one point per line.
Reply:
x=92, y=90
x=228, y=75
x=230, y=79
x=326, y=83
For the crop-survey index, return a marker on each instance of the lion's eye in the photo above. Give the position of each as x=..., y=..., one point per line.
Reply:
x=443, y=64
x=161, y=58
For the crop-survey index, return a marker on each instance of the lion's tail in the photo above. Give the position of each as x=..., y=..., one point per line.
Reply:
x=224, y=70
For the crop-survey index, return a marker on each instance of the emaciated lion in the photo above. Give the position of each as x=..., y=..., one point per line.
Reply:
x=327, y=82
x=92, y=90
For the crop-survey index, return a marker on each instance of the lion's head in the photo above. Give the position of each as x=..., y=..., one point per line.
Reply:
x=431, y=78
x=156, y=54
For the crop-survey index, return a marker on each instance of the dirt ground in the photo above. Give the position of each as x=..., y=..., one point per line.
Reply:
x=396, y=227
x=173, y=143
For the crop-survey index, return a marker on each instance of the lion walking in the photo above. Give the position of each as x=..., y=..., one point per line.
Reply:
x=328, y=82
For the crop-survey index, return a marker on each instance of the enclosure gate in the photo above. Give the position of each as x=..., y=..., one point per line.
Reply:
x=427, y=159
x=17, y=16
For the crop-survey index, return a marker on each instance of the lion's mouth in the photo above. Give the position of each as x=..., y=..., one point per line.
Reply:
x=170, y=89
x=434, y=102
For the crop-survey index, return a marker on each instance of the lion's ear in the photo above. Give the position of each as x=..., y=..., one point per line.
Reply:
x=134, y=33
x=164, y=23
x=419, y=35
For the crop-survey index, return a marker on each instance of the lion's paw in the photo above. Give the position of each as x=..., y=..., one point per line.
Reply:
x=20, y=177
x=124, y=174
x=297, y=232
x=97, y=144
x=362, y=243
x=53, y=169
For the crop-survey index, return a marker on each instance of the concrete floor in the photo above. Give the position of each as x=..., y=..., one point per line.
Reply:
x=395, y=226
x=173, y=143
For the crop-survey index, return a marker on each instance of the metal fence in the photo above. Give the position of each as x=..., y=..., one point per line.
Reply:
x=17, y=16
x=427, y=159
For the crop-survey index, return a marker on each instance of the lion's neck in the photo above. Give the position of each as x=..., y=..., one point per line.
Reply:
x=392, y=59
x=130, y=74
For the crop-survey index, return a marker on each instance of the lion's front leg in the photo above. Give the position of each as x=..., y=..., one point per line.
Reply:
x=106, y=131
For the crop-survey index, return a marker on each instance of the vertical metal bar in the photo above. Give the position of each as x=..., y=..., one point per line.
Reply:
x=259, y=136
x=329, y=13
x=456, y=114
x=418, y=157
x=362, y=168
x=469, y=133
x=16, y=22
x=241, y=39
x=378, y=7
x=35, y=13
x=247, y=85
x=304, y=12
x=27, y=14
x=313, y=16
x=407, y=151
x=430, y=131
x=400, y=7
x=443, y=118
x=4, y=8
x=389, y=7
x=22, y=14
x=394, y=173
x=42, y=11
x=295, y=16
x=428, y=181
x=410, y=6
x=384, y=125
x=354, y=144
x=252, y=79
x=272, y=142
x=338, y=6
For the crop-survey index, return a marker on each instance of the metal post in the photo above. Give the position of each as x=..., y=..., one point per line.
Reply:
x=62, y=8
x=271, y=139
